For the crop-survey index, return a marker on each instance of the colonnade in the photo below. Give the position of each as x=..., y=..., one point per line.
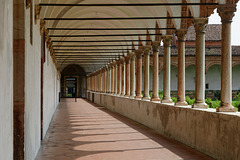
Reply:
x=118, y=78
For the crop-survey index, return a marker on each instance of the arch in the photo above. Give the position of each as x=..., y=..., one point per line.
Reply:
x=209, y=65
x=213, y=77
x=173, y=79
x=78, y=75
x=236, y=77
x=190, y=77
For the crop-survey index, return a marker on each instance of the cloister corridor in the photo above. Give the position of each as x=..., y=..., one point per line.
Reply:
x=86, y=131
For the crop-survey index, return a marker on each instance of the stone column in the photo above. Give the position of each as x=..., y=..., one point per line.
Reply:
x=127, y=77
x=109, y=78
x=95, y=82
x=155, y=46
x=181, y=34
x=100, y=81
x=112, y=78
x=132, y=75
x=123, y=76
x=147, y=51
x=119, y=79
x=226, y=12
x=200, y=25
x=116, y=79
x=167, y=68
x=104, y=80
x=139, y=54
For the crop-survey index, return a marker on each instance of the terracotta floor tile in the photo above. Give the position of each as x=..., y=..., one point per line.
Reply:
x=84, y=131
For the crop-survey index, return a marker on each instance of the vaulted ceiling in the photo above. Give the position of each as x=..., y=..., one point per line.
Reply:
x=91, y=33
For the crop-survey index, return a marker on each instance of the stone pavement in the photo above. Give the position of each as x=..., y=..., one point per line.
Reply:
x=85, y=131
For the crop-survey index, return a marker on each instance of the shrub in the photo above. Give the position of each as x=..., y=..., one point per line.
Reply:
x=174, y=99
x=237, y=97
x=189, y=100
x=208, y=101
x=151, y=94
x=160, y=94
x=236, y=104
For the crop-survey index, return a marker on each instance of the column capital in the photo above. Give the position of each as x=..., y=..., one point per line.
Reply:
x=139, y=53
x=127, y=58
x=155, y=46
x=226, y=12
x=132, y=56
x=112, y=65
x=181, y=34
x=147, y=49
x=200, y=24
x=167, y=40
x=103, y=70
x=118, y=62
x=122, y=60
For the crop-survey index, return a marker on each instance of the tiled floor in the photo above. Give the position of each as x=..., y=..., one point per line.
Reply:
x=84, y=131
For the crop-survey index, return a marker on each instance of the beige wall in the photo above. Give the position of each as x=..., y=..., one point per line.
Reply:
x=32, y=85
x=6, y=80
x=51, y=88
x=33, y=89
x=215, y=134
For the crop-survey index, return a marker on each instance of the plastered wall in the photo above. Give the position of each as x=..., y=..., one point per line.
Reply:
x=6, y=80
x=33, y=89
x=51, y=88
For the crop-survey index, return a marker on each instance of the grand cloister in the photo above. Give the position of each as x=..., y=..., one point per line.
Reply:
x=80, y=80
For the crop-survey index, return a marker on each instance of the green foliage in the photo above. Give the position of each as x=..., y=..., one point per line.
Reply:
x=189, y=100
x=237, y=97
x=236, y=104
x=216, y=104
x=208, y=101
x=160, y=94
x=151, y=94
x=174, y=99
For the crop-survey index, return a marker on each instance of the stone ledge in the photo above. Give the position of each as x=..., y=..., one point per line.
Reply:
x=213, y=133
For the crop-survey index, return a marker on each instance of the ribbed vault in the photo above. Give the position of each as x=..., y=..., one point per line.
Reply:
x=91, y=48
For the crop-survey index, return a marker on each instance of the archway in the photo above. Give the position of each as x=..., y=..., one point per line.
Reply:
x=213, y=77
x=73, y=82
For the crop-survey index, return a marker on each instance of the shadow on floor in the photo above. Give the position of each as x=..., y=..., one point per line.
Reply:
x=86, y=131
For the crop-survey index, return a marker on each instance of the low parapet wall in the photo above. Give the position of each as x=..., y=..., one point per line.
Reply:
x=212, y=133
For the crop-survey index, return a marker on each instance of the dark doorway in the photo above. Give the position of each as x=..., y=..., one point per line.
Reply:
x=71, y=87
x=73, y=82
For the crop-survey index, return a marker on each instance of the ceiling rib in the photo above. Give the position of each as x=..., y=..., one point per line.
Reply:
x=104, y=35
x=103, y=41
x=114, y=29
x=91, y=49
x=85, y=52
x=114, y=18
x=125, y=4
x=119, y=45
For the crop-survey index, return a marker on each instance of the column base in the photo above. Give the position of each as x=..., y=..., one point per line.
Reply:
x=200, y=105
x=182, y=103
x=121, y=95
x=167, y=101
x=127, y=96
x=138, y=97
x=147, y=98
x=132, y=96
x=157, y=99
x=228, y=108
